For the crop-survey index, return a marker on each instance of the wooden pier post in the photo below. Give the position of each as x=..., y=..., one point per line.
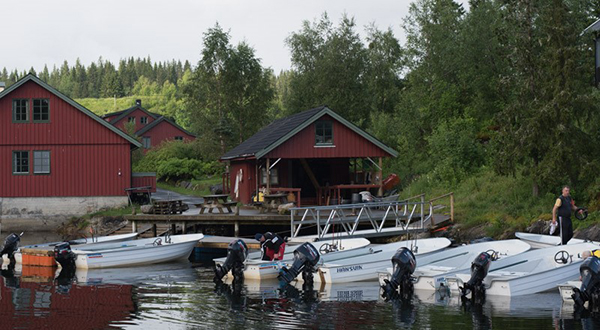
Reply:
x=452, y=207
x=236, y=229
x=134, y=226
x=380, y=191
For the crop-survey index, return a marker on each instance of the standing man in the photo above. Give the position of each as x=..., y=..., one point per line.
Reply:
x=562, y=207
x=272, y=246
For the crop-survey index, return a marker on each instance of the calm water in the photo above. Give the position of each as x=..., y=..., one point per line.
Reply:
x=183, y=296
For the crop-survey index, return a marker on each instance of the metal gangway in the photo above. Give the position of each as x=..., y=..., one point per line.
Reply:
x=415, y=214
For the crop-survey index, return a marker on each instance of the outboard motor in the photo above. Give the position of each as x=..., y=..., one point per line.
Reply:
x=479, y=270
x=404, y=263
x=64, y=256
x=11, y=243
x=306, y=258
x=590, y=283
x=237, y=252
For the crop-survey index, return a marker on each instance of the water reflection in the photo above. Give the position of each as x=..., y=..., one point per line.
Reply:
x=182, y=295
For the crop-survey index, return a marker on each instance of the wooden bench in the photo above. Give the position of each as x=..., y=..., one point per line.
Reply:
x=218, y=202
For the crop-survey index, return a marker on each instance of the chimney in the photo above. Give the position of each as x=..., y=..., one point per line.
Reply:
x=2, y=85
x=138, y=102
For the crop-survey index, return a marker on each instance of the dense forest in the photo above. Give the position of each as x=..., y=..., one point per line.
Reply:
x=501, y=87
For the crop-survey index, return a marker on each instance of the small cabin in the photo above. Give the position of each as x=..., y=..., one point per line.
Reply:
x=315, y=155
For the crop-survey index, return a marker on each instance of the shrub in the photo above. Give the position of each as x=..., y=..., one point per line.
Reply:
x=179, y=169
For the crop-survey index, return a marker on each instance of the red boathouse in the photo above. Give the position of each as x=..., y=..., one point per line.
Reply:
x=56, y=156
x=316, y=154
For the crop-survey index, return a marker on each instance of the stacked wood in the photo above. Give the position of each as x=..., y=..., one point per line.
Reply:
x=170, y=207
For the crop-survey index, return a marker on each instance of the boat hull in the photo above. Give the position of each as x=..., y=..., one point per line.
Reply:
x=365, y=268
x=432, y=270
x=528, y=273
x=82, y=242
x=141, y=252
x=539, y=241
x=263, y=270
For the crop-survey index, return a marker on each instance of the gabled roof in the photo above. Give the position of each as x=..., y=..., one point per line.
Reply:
x=158, y=121
x=31, y=77
x=110, y=114
x=124, y=113
x=283, y=129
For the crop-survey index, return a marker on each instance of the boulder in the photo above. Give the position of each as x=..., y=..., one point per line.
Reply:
x=147, y=209
x=539, y=227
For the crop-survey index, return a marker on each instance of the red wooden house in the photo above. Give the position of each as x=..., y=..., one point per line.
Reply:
x=153, y=128
x=57, y=157
x=316, y=152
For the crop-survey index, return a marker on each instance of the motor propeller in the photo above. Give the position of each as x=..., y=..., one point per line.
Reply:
x=237, y=252
x=479, y=270
x=306, y=258
x=400, y=283
x=11, y=244
x=590, y=284
x=64, y=256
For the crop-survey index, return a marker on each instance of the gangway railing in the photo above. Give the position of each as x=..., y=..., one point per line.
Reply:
x=413, y=213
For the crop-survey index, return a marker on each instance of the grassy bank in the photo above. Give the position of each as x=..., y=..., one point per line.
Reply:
x=202, y=186
x=500, y=203
x=101, y=106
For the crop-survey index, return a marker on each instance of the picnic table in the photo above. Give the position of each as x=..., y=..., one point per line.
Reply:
x=272, y=202
x=218, y=202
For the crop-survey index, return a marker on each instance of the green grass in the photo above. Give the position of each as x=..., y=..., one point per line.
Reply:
x=101, y=106
x=501, y=203
x=203, y=186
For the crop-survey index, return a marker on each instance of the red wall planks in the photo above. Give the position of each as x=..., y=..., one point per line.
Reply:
x=144, y=181
x=85, y=156
x=248, y=184
x=165, y=131
x=347, y=144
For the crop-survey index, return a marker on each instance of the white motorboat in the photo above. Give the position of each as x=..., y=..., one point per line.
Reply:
x=364, y=268
x=80, y=242
x=136, y=252
x=539, y=241
x=534, y=271
x=255, y=268
x=432, y=269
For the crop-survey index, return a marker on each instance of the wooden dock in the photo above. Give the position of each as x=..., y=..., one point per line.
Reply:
x=188, y=223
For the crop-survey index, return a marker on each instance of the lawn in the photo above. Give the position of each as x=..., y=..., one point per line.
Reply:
x=503, y=203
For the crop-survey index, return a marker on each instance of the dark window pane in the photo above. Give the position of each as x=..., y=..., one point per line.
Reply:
x=20, y=162
x=41, y=110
